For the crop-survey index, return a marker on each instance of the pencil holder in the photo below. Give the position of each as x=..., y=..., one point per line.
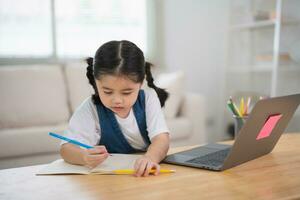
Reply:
x=238, y=124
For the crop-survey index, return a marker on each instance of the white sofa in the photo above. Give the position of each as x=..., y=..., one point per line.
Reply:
x=37, y=99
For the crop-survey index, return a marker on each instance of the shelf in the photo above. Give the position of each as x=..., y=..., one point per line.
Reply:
x=260, y=24
x=263, y=68
x=251, y=25
x=262, y=46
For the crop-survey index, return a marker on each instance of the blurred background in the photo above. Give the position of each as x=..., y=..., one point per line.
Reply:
x=211, y=49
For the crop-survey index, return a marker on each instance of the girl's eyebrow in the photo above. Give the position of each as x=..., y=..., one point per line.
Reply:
x=106, y=88
x=126, y=89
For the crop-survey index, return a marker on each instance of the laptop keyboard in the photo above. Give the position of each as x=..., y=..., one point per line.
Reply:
x=213, y=159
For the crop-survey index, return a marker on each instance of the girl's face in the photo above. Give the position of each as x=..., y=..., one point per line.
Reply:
x=118, y=93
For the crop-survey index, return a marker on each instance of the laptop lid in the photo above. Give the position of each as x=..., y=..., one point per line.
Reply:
x=262, y=130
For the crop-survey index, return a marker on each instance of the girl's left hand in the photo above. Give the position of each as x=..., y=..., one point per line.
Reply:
x=143, y=166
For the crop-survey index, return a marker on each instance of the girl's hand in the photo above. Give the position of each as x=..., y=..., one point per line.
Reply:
x=95, y=156
x=143, y=166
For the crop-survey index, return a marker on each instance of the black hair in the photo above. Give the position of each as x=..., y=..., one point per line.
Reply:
x=121, y=58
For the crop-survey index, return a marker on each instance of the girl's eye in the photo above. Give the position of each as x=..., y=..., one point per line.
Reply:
x=127, y=93
x=107, y=92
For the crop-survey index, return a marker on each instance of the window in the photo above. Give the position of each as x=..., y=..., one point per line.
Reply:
x=80, y=26
x=26, y=31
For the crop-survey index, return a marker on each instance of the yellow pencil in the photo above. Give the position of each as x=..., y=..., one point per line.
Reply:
x=237, y=110
x=242, y=107
x=132, y=171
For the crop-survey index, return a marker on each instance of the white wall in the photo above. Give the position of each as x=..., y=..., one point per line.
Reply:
x=192, y=36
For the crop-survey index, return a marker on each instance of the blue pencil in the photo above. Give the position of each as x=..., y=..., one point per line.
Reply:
x=70, y=140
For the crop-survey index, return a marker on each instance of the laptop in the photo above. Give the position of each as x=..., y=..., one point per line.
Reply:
x=257, y=137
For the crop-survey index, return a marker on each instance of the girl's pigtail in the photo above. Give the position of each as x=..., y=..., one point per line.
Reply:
x=161, y=93
x=90, y=76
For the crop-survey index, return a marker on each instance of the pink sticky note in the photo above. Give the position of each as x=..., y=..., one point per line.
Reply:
x=268, y=126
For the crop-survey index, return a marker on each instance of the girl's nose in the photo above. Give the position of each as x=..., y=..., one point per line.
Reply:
x=117, y=100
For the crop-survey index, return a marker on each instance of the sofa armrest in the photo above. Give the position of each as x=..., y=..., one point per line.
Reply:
x=193, y=108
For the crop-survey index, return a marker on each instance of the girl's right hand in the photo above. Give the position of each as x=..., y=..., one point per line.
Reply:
x=95, y=156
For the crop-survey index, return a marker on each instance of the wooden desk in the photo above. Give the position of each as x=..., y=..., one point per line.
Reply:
x=274, y=176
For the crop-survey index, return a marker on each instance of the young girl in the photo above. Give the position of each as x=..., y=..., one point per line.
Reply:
x=120, y=117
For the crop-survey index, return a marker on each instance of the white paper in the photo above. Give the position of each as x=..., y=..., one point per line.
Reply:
x=113, y=162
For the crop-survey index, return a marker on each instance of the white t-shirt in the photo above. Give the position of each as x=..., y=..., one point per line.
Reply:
x=84, y=124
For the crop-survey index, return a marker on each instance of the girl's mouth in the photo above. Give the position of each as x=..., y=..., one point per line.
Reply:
x=117, y=108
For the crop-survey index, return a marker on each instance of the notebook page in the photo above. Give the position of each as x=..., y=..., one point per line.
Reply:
x=117, y=161
x=62, y=167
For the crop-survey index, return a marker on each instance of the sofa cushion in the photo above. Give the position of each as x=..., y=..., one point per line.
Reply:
x=180, y=128
x=30, y=140
x=32, y=95
x=22, y=161
x=78, y=85
x=174, y=83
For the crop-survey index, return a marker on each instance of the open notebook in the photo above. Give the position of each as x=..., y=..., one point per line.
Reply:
x=112, y=165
